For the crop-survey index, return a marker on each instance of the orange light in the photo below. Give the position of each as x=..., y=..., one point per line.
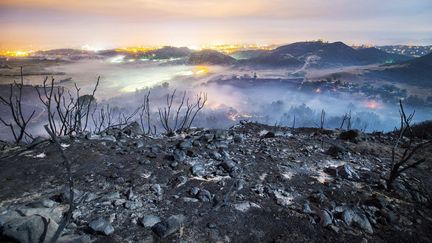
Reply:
x=199, y=70
x=17, y=53
x=373, y=105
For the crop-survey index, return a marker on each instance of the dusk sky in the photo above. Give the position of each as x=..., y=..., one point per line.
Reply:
x=45, y=24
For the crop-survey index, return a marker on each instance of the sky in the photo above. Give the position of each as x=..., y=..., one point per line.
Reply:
x=49, y=24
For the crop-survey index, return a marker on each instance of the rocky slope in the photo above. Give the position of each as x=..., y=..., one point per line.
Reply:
x=250, y=183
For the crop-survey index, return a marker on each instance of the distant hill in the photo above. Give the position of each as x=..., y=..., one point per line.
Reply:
x=210, y=57
x=63, y=52
x=327, y=55
x=247, y=54
x=374, y=54
x=417, y=72
x=167, y=52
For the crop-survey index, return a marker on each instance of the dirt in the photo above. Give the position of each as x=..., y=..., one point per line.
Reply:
x=261, y=199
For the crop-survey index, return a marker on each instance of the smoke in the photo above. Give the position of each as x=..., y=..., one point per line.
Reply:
x=276, y=96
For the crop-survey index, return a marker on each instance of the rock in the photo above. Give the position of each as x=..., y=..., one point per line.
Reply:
x=354, y=216
x=112, y=196
x=194, y=191
x=145, y=162
x=182, y=180
x=245, y=206
x=156, y=188
x=215, y=155
x=344, y=171
x=130, y=195
x=74, y=239
x=219, y=134
x=133, y=129
x=211, y=226
x=45, y=203
x=37, y=140
x=335, y=151
x=100, y=138
x=307, y=209
x=30, y=229
x=269, y=135
x=118, y=202
x=228, y=165
x=179, y=155
x=149, y=220
x=204, y=195
x=65, y=195
x=326, y=218
x=349, y=135
x=190, y=199
x=139, y=144
x=198, y=170
x=169, y=226
x=8, y=215
x=102, y=226
x=185, y=145
x=318, y=197
x=238, y=138
x=377, y=201
x=53, y=213
x=133, y=205
x=390, y=216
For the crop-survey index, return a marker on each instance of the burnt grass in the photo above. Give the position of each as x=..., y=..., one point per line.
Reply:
x=275, y=174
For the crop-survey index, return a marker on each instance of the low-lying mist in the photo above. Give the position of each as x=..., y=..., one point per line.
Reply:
x=271, y=96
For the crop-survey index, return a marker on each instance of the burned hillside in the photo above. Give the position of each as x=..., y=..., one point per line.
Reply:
x=249, y=183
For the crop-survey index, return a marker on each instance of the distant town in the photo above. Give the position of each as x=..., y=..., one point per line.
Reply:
x=87, y=51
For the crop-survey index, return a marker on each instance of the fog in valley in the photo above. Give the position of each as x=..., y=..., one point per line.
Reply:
x=270, y=96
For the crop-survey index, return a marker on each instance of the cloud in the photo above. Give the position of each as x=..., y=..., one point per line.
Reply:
x=126, y=22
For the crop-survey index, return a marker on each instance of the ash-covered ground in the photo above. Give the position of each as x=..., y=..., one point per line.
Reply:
x=249, y=183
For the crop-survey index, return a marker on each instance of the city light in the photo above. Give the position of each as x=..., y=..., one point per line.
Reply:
x=16, y=53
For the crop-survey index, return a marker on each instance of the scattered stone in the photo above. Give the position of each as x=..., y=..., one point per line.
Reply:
x=204, y=195
x=133, y=129
x=228, y=165
x=318, y=197
x=194, y=191
x=45, y=203
x=355, y=217
x=198, y=170
x=53, y=213
x=169, y=226
x=65, y=195
x=149, y=220
x=335, y=151
x=185, y=145
x=245, y=206
x=238, y=138
x=211, y=226
x=74, y=239
x=109, y=138
x=130, y=195
x=190, y=199
x=215, y=155
x=179, y=155
x=156, y=188
x=133, y=205
x=8, y=215
x=326, y=218
x=349, y=135
x=344, y=171
x=139, y=144
x=102, y=226
x=269, y=135
x=112, y=196
x=30, y=229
